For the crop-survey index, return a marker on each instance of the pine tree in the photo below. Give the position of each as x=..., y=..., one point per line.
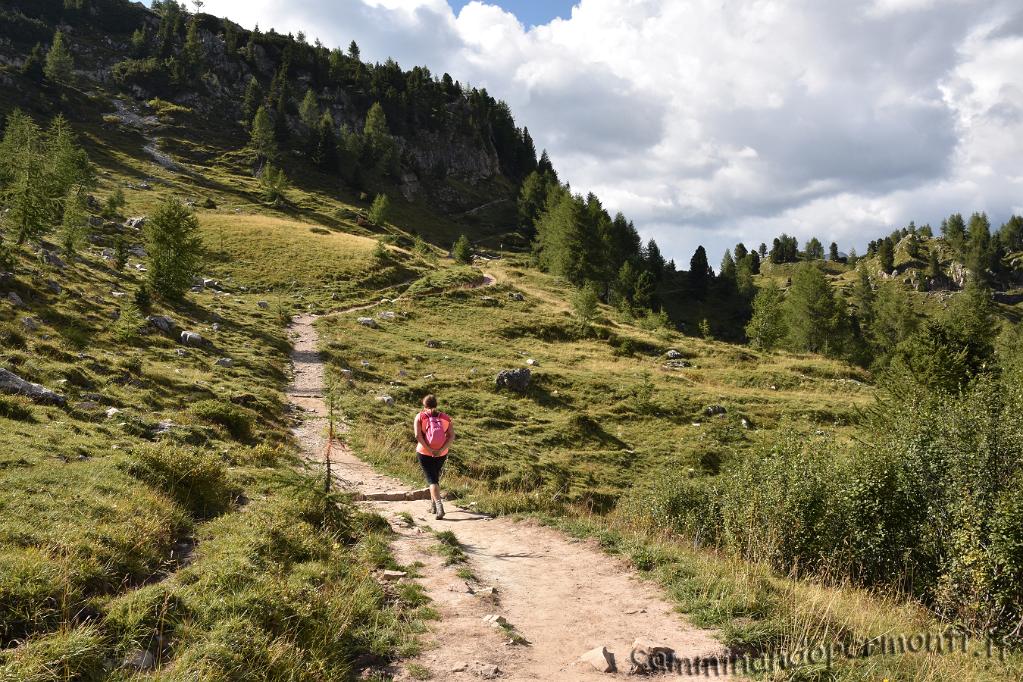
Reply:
x=379, y=210
x=309, y=110
x=193, y=46
x=979, y=254
x=379, y=146
x=886, y=255
x=275, y=185
x=814, y=250
x=954, y=231
x=173, y=249
x=853, y=258
x=744, y=277
x=863, y=297
x=766, y=327
x=893, y=318
x=833, y=252
x=727, y=272
x=700, y=273
x=462, y=250
x=263, y=141
x=253, y=95
x=762, y=250
x=325, y=148
x=740, y=252
x=643, y=295
x=1010, y=234
x=532, y=199
x=654, y=261
x=59, y=62
x=814, y=317
x=353, y=51
x=74, y=225
x=33, y=66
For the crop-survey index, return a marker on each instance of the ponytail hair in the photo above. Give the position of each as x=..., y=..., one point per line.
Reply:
x=430, y=402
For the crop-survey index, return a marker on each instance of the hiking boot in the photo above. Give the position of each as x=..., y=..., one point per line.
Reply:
x=439, y=507
x=433, y=507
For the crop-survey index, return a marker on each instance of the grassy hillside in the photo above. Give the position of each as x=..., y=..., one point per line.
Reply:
x=158, y=521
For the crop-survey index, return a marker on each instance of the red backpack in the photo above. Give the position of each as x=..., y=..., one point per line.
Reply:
x=435, y=428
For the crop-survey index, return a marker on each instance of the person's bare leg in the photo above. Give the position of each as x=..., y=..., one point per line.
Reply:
x=434, y=492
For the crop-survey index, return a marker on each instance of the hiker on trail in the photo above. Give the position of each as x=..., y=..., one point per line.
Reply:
x=434, y=434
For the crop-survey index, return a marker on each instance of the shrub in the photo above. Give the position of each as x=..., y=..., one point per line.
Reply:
x=274, y=185
x=196, y=479
x=237, y=420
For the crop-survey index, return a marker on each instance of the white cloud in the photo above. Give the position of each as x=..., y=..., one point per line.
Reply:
x=708, y=122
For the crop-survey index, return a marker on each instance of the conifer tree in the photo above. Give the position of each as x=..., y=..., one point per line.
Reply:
x=954, y=230
x=309, y=110
x=379, y=210
x=979, y=255
x=59, y=62
x=462, y=250
x=815, y=319
x=727, y=272
x=173, y=249
x=886, y=255
x=262, y=139
x=250, y=103
x=74, y=225
x=700, y=273
x=325, y=149
x=766, y=327
x=833, y=252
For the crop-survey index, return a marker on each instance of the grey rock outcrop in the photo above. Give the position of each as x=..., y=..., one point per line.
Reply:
x=514, y=379
x=12, y=384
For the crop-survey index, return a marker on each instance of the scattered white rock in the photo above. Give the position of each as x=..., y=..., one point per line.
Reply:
x=488, y=671
x=600, y=659
x=532, y=363
x=225, y=362
x=112, y=412
x=391, y=576
x=387, y=315
x=494, y=620
x=30, y=323
x=673, y=354
x=367, y=322
x=346, y=374
x=460, y=667
x=192, y=339
x=15, y=299
x=386, y=400
x=161, y=322
x=216, y=326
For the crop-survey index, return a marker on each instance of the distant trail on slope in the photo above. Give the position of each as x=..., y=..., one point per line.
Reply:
x=564, y=596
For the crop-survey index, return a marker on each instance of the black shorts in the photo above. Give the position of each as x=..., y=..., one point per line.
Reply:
x=431, y=467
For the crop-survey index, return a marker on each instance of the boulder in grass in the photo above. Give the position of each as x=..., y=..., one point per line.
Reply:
x=673, y=355
x=12, y=384
x=367, y=322
x=514, y=379
x=225, y=362
x=263, y=305
x=713, y=410
x=386, y=400
x=192, y=339
x=136, y=223
x=164, y=324
x=15, y=299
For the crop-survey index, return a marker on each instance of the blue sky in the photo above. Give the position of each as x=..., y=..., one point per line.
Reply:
x=529, y=12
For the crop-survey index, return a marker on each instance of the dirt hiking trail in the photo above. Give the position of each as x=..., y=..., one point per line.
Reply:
x=564, y=596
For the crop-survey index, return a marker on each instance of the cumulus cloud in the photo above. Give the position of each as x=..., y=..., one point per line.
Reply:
x=710, y=122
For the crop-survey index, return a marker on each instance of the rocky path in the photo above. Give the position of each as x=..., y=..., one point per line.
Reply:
x=563, y=596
